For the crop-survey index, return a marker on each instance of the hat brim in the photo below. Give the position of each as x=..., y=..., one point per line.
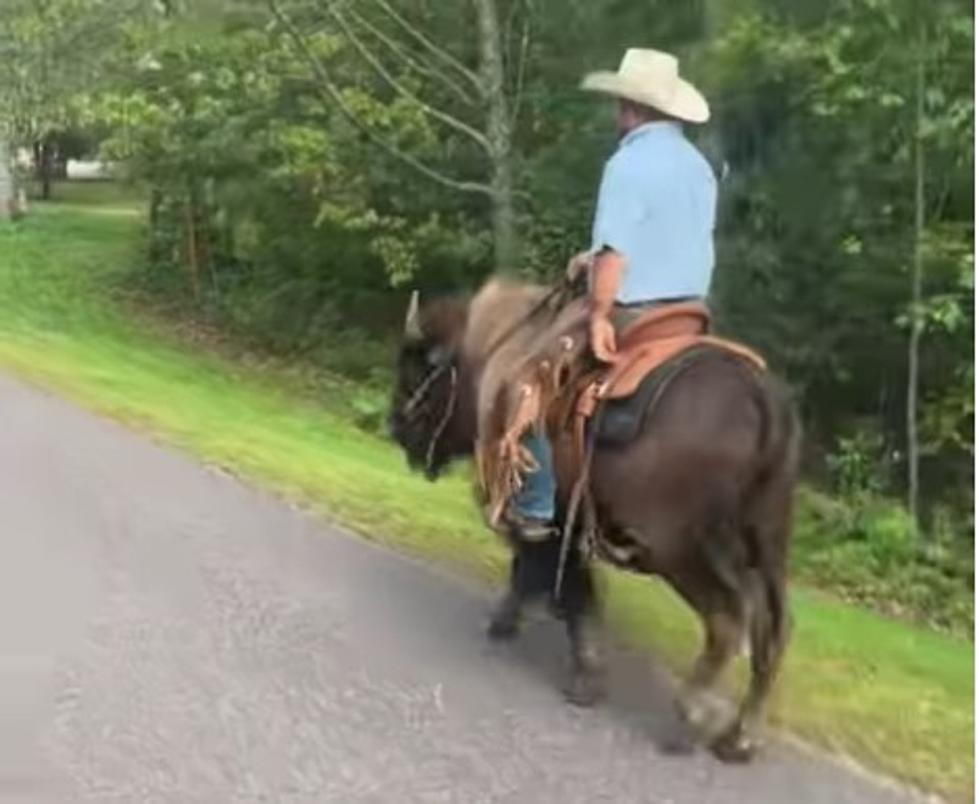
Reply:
x=685, y=103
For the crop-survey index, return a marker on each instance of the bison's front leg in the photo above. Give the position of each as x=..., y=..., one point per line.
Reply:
x=505, y=622
x=579, y=606
x=587, y=683
x=532, y=573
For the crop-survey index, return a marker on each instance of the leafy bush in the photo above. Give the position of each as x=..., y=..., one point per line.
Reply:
x=865, y=549
x=855, y=465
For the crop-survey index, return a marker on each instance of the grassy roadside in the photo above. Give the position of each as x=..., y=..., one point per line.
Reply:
x=897, y=698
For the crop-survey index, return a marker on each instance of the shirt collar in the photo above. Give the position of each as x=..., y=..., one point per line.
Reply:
x=657, y=127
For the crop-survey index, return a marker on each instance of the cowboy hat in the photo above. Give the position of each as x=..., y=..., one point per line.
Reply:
x=652, y=78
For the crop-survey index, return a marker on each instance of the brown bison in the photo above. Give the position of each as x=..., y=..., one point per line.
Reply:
x=701, y=495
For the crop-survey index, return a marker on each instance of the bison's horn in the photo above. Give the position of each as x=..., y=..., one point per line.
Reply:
x=413, y=328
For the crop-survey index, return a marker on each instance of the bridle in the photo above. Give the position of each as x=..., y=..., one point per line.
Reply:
x=410, y=409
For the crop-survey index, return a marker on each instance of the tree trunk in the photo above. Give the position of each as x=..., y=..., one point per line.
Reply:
x=45, y=156
x=153, y=240
x=7, y=202
x=190, y=224
x=715, y=15
x=499, y=131
x=914, y=340
x=505, y=244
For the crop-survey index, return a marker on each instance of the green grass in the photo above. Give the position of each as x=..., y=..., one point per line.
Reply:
x=896, y=697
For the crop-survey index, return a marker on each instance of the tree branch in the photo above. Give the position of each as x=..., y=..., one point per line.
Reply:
x=413, y=62
x=330, y=90
x=427, y=43
x=370, y=58
x=521, y=65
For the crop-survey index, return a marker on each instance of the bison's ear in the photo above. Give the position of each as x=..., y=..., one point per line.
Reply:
x=413, y=328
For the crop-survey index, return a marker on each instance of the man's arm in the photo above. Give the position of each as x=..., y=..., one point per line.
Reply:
x=606, y=279
x=617, y=218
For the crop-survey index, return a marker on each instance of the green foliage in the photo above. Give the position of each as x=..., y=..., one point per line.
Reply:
x=863, y=548
x=816, y=230
x=854, y=465
x=56, y=55
x=266, y=210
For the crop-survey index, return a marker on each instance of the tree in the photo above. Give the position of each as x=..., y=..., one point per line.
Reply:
x=436, y=71
x=822, y=262
x=6, y=182
x=915, y=326
x=58, y=51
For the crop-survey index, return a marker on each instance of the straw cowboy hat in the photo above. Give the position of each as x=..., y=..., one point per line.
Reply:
x=652, y=78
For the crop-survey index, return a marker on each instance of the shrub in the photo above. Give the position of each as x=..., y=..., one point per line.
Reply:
x=865, y=549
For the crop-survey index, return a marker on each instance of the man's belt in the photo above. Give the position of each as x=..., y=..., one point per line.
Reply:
x=646, y=305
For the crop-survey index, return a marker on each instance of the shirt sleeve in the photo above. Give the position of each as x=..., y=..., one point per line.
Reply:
x=618, y=211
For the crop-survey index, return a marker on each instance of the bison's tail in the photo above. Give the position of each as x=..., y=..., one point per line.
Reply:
x=768, y=512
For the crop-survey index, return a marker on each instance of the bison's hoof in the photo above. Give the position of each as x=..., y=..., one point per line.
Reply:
x=584, y=689
x=557, y=611
x=702, y=714
x=735, y=745
x=682, y=742
x=502, y=629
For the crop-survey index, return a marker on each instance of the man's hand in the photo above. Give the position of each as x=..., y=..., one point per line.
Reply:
x=603, y=338
x=578, y=265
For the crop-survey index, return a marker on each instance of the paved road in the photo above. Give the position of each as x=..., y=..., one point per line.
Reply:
x=169, y=635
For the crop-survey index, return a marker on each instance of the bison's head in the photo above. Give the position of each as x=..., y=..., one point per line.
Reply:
x=430, y=398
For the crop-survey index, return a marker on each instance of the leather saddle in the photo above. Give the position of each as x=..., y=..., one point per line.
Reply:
x=652, y=350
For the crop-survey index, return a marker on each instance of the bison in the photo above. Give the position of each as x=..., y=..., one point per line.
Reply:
x=701, y=496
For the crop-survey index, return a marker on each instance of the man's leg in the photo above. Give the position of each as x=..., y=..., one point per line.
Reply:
x=534, y=503
x=530, y=519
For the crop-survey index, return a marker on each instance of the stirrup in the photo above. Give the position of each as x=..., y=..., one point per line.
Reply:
x=529, y=530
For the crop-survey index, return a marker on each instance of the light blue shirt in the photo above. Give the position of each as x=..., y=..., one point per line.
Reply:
x=656, y=207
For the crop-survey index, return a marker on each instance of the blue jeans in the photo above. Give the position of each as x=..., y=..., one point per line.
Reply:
x=535, y=500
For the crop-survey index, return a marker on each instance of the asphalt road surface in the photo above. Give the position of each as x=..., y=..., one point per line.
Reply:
x=170, y=635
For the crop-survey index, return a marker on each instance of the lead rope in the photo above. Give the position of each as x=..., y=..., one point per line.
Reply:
x=577, y=495
x=545, y=301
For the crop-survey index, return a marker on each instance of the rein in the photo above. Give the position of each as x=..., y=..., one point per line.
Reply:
x=579, y=493
x=552, y=294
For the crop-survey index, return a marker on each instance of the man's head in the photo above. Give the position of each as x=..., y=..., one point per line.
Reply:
x=630, y=115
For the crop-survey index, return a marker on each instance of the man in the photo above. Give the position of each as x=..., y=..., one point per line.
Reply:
x=652, y=238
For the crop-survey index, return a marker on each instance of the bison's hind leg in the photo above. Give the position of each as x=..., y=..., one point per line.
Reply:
x=709, y=573
x=724, y=630
x=770, y=629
